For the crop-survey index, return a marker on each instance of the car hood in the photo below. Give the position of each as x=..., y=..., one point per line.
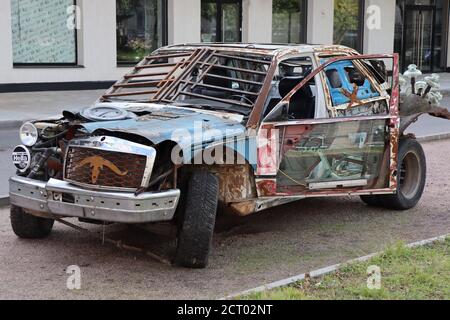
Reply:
x=159, y=123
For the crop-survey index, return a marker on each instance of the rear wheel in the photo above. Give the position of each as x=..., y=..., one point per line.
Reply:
x=411, y=177
x=27, y=226
x=196, y=225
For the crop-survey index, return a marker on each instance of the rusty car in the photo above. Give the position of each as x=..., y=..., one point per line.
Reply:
x=197, y=129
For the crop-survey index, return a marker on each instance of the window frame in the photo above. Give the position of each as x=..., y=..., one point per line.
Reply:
x=53, y=64
x=164, y=36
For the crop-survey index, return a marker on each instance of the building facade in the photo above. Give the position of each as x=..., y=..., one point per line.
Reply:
x=51, y=44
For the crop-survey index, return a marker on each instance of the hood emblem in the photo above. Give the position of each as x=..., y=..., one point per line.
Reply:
x=97, y=164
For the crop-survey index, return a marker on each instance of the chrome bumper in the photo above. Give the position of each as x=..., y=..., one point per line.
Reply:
x=65, y=200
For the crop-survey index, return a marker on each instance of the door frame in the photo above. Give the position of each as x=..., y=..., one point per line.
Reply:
x=431, y=8
x=268, y=160
x=219, y=17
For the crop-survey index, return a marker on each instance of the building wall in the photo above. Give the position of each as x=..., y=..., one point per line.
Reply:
x=184, y=21
x=257, y=21
x=5, y=42
x=379, y=40
x=97, y=36
x=320, y=21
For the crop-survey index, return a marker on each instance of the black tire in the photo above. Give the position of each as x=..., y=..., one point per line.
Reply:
x=412, y=170
x=372, y=201
x=27, y=226
x=197, y=223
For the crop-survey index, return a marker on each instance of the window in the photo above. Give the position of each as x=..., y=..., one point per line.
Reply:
x=141, y=28
x=221, y=21
x=289, y=21
x=334, y=78
x=41, y=33
x=349, y=23
x=421, y=27
x=302, y=105
x=352, y=92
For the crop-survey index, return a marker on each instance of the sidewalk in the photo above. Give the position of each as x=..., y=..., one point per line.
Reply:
x=17, y=107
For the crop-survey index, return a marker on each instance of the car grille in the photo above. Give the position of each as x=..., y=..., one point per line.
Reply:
x=100, y=168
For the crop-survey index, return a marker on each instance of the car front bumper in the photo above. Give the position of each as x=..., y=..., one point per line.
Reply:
x=65, y=200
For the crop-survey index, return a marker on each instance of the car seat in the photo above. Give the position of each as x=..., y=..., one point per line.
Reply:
x=217, y=82
x=303, y=103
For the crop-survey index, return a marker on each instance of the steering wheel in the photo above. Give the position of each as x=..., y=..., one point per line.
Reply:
x=241, y=98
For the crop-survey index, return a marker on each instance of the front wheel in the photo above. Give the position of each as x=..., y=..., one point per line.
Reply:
x=198, y=220
x=27, y=226
x=411, y=177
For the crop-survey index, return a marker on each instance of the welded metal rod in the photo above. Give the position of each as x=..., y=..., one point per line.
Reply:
x=119, y=244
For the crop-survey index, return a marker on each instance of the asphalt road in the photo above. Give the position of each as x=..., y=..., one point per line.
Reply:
x=247, y=252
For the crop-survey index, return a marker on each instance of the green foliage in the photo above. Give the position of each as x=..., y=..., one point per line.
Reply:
x=286, y=6
x=406, y=273
x=346, y=14
x=126, y=7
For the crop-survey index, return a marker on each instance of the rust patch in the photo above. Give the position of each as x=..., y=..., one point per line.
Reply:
x=267, y=187
x=244, y=208
x=236, y=182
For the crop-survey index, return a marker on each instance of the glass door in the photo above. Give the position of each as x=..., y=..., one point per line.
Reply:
x=418, y=45
x=221, y=21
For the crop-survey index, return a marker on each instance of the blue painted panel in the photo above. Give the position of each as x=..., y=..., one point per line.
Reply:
x=192, y=131
x=365, y=91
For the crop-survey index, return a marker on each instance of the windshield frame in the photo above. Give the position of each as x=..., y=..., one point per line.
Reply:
x=167, y=77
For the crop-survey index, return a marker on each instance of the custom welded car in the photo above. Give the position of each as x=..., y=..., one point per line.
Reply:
x=243, y=127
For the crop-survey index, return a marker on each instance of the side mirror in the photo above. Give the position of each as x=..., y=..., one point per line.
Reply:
x=356, y=77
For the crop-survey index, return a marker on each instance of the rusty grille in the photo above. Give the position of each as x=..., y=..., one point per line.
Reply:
x=104, y=168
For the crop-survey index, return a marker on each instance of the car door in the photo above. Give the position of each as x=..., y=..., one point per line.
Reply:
x=353, y=150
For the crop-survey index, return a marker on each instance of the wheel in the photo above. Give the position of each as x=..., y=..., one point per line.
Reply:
x=197, y=222
x=372, y=201
x=411, y=177
x=27, y=226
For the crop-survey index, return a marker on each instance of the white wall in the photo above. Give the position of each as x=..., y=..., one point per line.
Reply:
x=448, y=49
x=320, y=21
x=5, y=41
x=97, y=48
x=257, y=21
x=379, y=40
x=184, y=21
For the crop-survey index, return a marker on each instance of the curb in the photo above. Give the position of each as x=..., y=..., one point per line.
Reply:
x=325, y=270
x=4, y=201
x=434, y=137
